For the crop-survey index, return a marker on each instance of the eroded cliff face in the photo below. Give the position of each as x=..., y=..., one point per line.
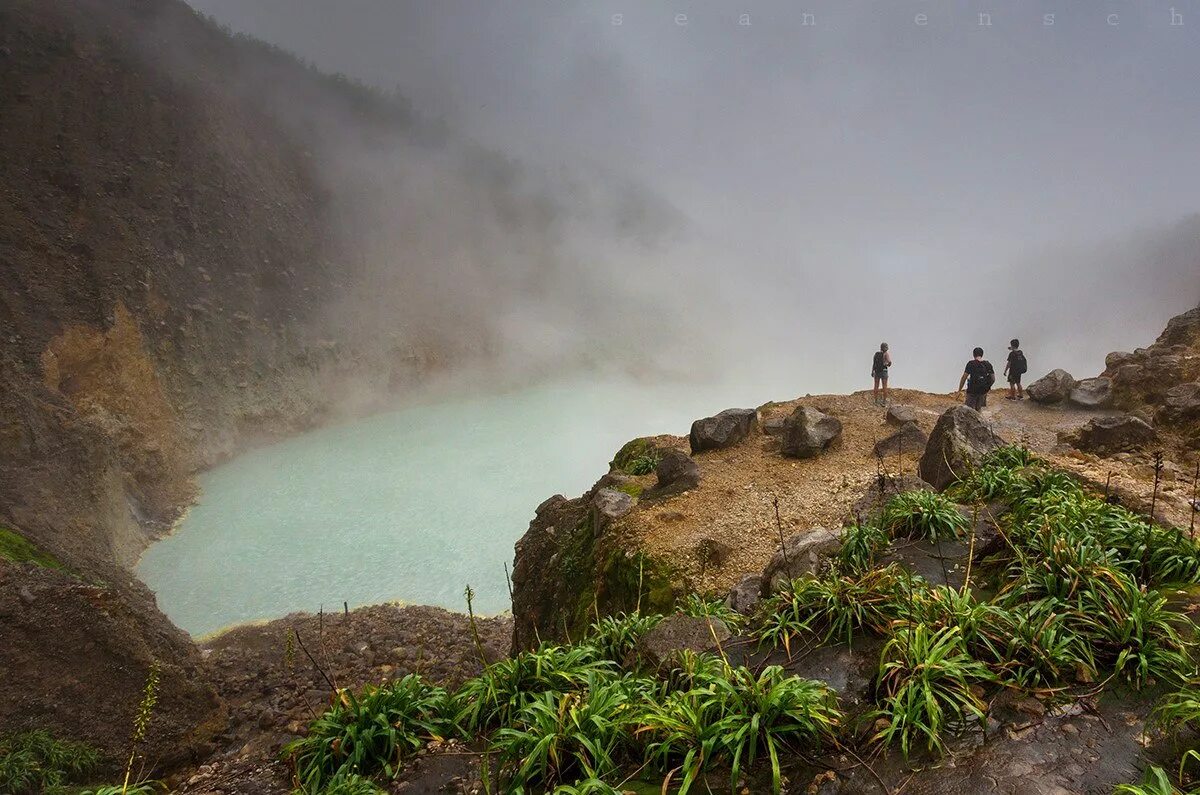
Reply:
x=1162, y=381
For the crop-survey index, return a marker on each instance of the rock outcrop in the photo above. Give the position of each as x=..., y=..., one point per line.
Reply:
x=809, y=432
x=1054, y=387
x=1163, y=378
x=1111, y=434
x=958, y=441
x=676, y=471
x=722, y=430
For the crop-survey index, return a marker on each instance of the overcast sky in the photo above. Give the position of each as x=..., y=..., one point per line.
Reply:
x=871, y=174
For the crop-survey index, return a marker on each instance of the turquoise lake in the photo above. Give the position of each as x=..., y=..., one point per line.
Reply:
x=409, y=505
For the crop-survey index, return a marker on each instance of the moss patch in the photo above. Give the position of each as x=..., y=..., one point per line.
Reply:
x=15, y=548
x=632, y=488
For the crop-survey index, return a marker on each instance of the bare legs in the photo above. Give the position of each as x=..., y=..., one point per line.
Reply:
x=875, y=390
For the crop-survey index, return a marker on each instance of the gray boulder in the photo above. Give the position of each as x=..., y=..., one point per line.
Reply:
x=724, y=430
x=803, y=553
x=773, y=426
x=1093, y=393
x=745, y=596
x=676, y=470
x=809, y=432
x=958, y=441
x=909, y=440
x=1180, y=404
x=661, y=645
x=1112, y=435
x=612, y=504
x=1054, y=387
x=900, y=415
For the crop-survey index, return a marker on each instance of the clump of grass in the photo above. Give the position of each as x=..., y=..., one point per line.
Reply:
x=637, y=457
x=560, y=737
x=861, y=546
x=37, y=761
x=1154, y=782
x=369, y=733
x=614, y=637
x=732, y=716
x=506, y=687
x=928, y=681
x=836, y=607
x=925, y=515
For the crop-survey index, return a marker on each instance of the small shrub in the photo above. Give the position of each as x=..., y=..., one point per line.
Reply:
x=923, y=514
x=370, y=733
x=926, y=677
x=836, y=607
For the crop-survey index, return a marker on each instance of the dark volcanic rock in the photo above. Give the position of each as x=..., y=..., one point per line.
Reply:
x=677, y=471
x=662, y=644
x=1111, y=435
x=958, y=441
x=1093, y=393
x=745, y=596
x=1054, y=387
x=76, y=657
x=809, y=432
x=900, y=415
x=773, y=426
x=612, y=504
x=909, y=440
x=803, y=553
x=723, y=430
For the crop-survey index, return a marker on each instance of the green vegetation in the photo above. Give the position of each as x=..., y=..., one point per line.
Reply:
x=637, y=457
x=36, y=761
x=1069, y=603
x=17, y=549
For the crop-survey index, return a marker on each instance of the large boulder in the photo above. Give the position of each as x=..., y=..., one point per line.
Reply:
x=1093, y=393
x=958, y=441
x=724, y=430
x=677, y=471
x=1054, y=387
x=661, y=645
x=809, y=432
x=910, y=440
x=1111, y=434
x=802, y=554
x=1181, y=404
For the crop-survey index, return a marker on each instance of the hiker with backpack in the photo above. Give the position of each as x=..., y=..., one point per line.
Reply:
x=978, y=376
x=1017, y=366
x=879, y=372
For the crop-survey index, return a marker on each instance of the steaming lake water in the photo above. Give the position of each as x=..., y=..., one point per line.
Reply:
x=409, y=505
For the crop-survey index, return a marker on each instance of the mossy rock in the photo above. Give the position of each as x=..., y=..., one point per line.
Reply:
x=632, y=488
x=17, y=549
x=636, y=457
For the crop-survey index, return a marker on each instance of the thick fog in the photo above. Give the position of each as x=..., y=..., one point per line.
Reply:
x=762, y=192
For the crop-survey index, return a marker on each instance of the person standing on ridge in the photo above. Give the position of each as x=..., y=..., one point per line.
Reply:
x=981, y=376
x=879, y=372
x=1016, y=367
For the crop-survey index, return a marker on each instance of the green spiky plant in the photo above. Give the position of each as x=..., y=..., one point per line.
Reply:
x=614, y=637
x=927, y=681
x=923, y=515
x=702, y=606
x=370, y=733
x=836, y=607
x=862, y=544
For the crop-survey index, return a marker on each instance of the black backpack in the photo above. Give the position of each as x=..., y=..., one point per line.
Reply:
x=1019, y=365
x=877, y=363
x=980, y=384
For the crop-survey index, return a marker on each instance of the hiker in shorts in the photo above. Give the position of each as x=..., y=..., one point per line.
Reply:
x=879, y=372
x=1016, y=367
x=978, y=376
